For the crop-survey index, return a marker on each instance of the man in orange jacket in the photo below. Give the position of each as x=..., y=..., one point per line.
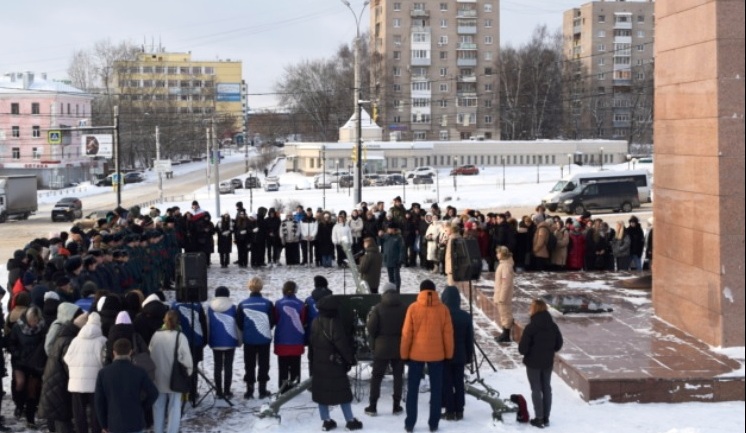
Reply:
x=427, y=338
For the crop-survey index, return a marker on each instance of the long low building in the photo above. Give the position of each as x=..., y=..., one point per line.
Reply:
x=311, y=158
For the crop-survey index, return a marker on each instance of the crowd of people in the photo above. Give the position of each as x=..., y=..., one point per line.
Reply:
x=87, y=289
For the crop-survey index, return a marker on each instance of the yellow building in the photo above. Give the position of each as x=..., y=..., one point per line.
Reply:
x=162, y=83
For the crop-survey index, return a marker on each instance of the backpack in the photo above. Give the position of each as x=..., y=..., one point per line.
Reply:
x=551, y=241
x=521, y=414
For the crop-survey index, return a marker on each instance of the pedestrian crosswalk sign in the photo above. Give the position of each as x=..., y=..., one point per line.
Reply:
x=54, y=137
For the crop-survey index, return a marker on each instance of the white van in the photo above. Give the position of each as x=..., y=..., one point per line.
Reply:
x=576, y=182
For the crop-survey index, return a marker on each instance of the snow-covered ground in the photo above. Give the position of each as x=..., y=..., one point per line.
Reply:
x=570, y=413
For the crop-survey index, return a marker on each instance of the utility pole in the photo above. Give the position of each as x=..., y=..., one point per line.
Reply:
x=116, y=156
x=207, y=159
x=216, y=153
x=158, y=160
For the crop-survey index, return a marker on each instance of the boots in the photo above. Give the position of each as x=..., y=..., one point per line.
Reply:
x=227, y=389
x=397, y=409
x=263, y=393
x=505, y=336
x=249, y=392
x=218, y=389
x=371, y=409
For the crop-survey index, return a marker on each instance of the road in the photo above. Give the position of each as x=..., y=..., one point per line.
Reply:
x=16, y=234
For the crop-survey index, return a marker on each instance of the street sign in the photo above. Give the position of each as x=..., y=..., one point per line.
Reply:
x=162, y=165
x=54, y=137
x=115, y=178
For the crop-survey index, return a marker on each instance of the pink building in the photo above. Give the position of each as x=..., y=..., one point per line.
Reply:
x=34, y=113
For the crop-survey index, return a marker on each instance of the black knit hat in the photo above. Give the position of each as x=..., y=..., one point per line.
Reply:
x=222, y=292
x=427, y=285
x=320, y=281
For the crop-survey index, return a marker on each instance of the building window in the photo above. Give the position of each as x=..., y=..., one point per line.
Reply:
x=641, y=33
x=397, y=6
x=147, y=69
x=488, y=23
x=443, y=55
x=444, y=87
x=397, y=87
x=602, y=33
x=488, y=87
x=443, y=40
x=134, y=83
x=421, y=86
x=443, y=136
x=16, y=153
x=488, y=7
x=488, y=119
x=209, y=70
x=184, y=70
x=442, y=103
x=601, y=47
x=420, y=135
x=172, y=70
x=15, y=131
x=397, y=55
x=444, y=6
x=488, y=40
x=602, y=19
x=147, y=83
x=488, y=55
x=197, y=70
x=488, y=103
x=159, y=69
x=443, y=23
x=35, y=153
x=443, y=72
x=601, y=61
x=397, y=119
x=15, y=108
x=397, y=22
x=641, y=18
x=35, y=108
x=420, y=54
x=36, y=131
x=602, y=76
x=397, y=71
x=641, y=47
x=134, y=69
x=397, y=40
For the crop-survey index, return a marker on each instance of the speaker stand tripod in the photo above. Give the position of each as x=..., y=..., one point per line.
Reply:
x=477, y=363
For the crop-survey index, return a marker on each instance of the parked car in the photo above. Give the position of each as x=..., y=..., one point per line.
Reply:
x=425, y=170
x=105, y=181
x=422, y=180
x=465, y=170
x=325, y=180
x=252, y=182
x=226, y=187
x=133, y=177
x=237, y=183
x=614, y=195
x=89, y=221
x=302, y=183
x=346, y=181
x=374, y=180
x=271, y=185
x=67, y=209
x=396, y=179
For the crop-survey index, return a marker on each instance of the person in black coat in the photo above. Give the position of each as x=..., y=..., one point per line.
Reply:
x=56, y=402
x=150, y=318
x=333, y=356
x=384, y=326
x=225, y=240
x=259, y=240
x=123, y=393
x=324, y=244
x=271, y=227
x=636, y=242
x=242, y=234
x=541, y=339
x=463, y=353
x=27, y=356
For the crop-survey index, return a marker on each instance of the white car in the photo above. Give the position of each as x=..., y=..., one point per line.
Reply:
x=226, y=187
x=271, y=185
x=424, y=170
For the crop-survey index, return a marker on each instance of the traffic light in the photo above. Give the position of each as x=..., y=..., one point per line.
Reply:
x=375, y=113
x=354, y=154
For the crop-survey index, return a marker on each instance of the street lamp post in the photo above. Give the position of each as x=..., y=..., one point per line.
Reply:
x=336, y=168
x=323, y=176
x=158, y=162
x=569, y=163
x=629, y=161
x=358, y=180
x=538, y=164
x=216, y=156
x=455, y=164
x=602, y=157
x=503, y=161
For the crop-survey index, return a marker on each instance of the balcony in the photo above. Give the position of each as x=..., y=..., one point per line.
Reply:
x=466, y=14
x=420, y=62
x=466, y=30
x=420, y=29
x=623, y=25
x=621, y=82
x=419, y=13
x=466, y=62
x=466, y=46
x=467, y=78
x=576, y=30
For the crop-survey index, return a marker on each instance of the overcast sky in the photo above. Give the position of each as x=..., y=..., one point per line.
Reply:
x=266, y=35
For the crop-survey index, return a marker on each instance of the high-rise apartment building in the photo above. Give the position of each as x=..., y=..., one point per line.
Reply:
x=609, y=45
x=433, y=68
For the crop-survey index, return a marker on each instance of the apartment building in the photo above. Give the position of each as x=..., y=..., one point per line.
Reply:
x=433, y=69
x=34, y=115
x=610, y=45
x=161, y=82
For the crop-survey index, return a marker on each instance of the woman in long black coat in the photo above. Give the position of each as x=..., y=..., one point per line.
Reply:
x=333, y=356
x=56, y=401
x=324, y=244
x=242, y=234
x=225, y=240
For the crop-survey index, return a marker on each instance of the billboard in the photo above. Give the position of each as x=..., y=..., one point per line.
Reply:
x=228, y=92
x=97, y=145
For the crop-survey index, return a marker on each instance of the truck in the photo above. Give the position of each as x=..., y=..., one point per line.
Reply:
x=17, y=197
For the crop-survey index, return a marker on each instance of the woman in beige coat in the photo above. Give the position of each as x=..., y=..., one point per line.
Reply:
x=503, y=296
x=559, y=254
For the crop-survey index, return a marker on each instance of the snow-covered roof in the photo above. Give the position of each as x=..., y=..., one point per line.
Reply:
x=366, y=121
x=36, y=83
